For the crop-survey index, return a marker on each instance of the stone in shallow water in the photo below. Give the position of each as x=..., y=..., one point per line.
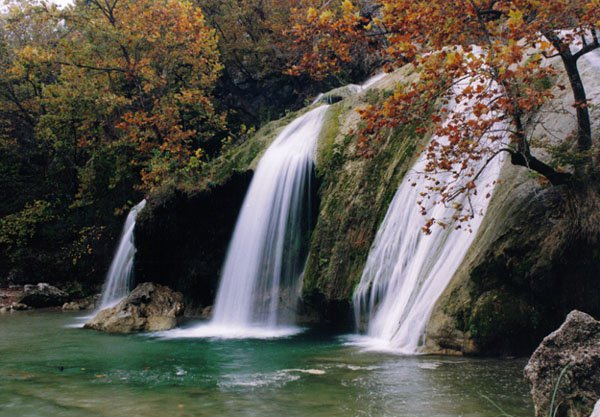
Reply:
x=574, y=351
x=88, y=303
x=43, y=295
x=149, y=307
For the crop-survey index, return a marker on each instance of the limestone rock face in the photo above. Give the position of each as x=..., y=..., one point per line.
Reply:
x=149, y=307
x=574, y=351
x=43, y=295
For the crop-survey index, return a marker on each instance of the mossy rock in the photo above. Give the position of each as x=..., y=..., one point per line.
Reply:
x=355, y=193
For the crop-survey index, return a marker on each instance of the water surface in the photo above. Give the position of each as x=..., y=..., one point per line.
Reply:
x=48, y=369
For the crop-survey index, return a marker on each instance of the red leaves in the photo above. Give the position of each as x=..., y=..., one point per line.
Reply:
x=496, y=44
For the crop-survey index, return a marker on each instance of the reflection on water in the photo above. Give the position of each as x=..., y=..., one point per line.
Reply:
x=47, y=369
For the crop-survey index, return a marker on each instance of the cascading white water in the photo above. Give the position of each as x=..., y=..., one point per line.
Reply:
x=406, y=270
x=118, y=279
x=261, y=280
x=265, y=259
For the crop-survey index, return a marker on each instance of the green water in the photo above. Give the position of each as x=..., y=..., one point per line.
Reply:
x=49, y=370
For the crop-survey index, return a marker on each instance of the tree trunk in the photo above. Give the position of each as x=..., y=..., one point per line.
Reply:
x=584, y=129
x=531, y=162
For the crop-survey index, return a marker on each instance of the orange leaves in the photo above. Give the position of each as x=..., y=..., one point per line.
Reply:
x=150, y=66
x=323, y=39
x=499, y=45
x=479, y=109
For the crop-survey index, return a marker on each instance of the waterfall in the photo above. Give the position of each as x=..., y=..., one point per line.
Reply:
x=407, y=271
x=262, y=276
x=118, y=280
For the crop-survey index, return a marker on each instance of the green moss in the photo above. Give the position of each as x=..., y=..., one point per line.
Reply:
x=500, y=320
x=239, y=157
x=329, y=153
x=355, y=194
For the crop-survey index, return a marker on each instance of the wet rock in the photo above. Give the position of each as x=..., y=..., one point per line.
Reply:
x=19, y=306
x=43, y=295
x=88, y=303
x=149, y=307
x=74, y=306
x=206, y=312
x=338, y=94
x=568, y=362
x=3, y=310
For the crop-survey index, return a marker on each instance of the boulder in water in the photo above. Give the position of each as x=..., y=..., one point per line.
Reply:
x=43, y=295
x=149, y=307
x=567, y=363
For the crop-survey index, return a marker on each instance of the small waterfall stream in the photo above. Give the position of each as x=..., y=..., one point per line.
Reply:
x=406, y=270
x=118, y=279
x=261, y=279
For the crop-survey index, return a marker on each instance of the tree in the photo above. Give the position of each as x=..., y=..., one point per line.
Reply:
x=153, y=65
x=500, y=45
x=255, y=53
x=99, y=102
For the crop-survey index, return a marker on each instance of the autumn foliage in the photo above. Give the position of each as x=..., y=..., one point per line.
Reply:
x=325, y=40
x=158, y=60
x=501, y=48
x=101, y=102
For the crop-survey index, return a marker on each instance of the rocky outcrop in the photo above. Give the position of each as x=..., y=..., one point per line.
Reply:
x=534, y=260
x=43, y=295
x=564, y=371
x=149, y=307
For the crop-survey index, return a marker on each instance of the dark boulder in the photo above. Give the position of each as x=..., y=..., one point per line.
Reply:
x=43, y=295
x=564, y=371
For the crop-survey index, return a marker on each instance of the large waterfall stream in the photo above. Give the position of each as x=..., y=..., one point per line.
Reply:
x=261, y=279
x=118, y=279
x=406, y=270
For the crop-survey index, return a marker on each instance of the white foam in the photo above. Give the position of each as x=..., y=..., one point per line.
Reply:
x=375, y=344
x=306, y=371
x=214, y=331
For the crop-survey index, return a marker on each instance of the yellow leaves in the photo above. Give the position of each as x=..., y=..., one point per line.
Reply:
x=510, y=54
x=515, y=18
x=325, y=17
x=348, y=7
x=454, y=59
x=311, y=14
